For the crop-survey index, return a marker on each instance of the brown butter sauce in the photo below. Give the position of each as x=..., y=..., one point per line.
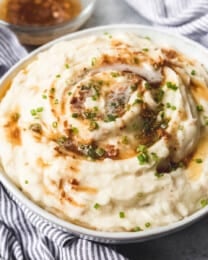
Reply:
x=194, y=168
x=199, y=91
x=13, y=132
x=38, y=12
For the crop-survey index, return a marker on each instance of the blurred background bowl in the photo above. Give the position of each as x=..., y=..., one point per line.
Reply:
x=37, y=35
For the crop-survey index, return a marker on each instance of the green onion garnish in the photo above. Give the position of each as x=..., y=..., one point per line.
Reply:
x=136, y=229
x=96, y=206
x=199, y=108
x=204, y=202
x=171, y=85
x=93, y=126
x=54, y=124
x=148, y=224
x=198, y=160
x=121, y=214
x=193, y=72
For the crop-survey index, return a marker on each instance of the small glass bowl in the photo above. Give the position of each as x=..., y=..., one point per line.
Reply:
x=37, y=35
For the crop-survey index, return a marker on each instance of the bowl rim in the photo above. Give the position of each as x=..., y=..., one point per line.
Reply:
x=41, y=29
x=73, y=228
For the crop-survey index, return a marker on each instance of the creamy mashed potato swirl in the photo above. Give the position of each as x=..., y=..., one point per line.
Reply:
x=109, y=132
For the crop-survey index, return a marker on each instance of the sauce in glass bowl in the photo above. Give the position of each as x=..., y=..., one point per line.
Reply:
x=36, y=22
x=40, y=13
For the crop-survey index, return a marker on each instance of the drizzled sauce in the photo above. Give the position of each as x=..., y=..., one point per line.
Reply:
x=38, y=12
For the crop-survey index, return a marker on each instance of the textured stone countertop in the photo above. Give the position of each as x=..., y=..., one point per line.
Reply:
x=191, y=243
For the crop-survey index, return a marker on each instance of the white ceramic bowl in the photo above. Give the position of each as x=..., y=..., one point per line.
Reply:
x=189, y=48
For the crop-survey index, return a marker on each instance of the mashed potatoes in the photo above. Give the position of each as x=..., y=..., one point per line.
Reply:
x=109, y=132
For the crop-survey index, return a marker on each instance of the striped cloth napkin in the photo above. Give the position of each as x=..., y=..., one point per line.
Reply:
x=23, y=234
x=187, y=17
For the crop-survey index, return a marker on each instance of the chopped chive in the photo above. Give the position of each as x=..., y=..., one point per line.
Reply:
x=75, y=130
x=33, y=112
x=193, y=72
x=133, y=87
x=75, y=115
x=96, y=206
x=205, y=120
x=113, y=104
x=199, y=108
x=136, y=229
x=147, y=85
x=94, y=98
x=69, y=93
x=93, y=61
x=143, y=158
x=67, y=66
x=168, y=105
x=147, y=38
x=58, y=76
x=26, y=181
x=56, y=101
x=54, y=124
x=155, y=157
x=100, y=82
x=124, y=139
x=44, y=96
x=162, y=114
x=141, y=148
x=171, y=85
x=145, y=49
x=148, y=224
x=89, y=151
x=198, y=160
x=121, y=214
x=89, y=115
x=115, y=74
x=159, y=175
x=110, y=118
x=61, y=140
x=100, y=152
x=159, y=95
x=93, y=126
x=39, y=109
x=138, y=101
x=204, y=202
x=108, y=34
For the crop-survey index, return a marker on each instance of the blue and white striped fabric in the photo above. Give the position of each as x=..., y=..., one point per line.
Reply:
x=187, y=17
x=23, y=234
